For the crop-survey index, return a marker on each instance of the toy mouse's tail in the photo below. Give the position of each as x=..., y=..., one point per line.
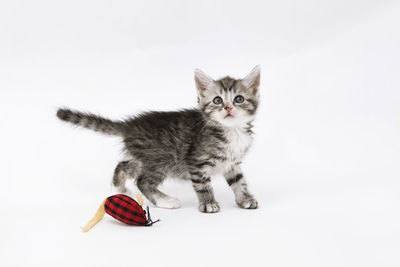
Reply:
x=96, y=218
x=91, y=121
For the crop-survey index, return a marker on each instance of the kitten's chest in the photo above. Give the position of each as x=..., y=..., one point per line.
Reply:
x=238, y=143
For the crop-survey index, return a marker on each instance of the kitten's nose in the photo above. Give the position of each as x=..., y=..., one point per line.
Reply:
x=228, y=108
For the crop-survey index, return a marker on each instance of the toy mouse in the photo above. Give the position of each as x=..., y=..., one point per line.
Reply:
x=124, y=209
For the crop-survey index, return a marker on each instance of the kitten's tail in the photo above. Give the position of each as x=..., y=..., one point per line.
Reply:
x=90, y=121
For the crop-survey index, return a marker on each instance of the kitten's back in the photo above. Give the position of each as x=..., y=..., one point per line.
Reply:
x=161, y=135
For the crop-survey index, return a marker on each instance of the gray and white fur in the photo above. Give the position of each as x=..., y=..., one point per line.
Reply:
x=191, y=144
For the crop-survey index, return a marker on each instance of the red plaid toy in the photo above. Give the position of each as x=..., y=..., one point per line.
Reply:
x=124, y=209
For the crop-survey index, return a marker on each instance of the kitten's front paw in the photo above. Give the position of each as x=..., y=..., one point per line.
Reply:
x=247, y=203
x=209, y=207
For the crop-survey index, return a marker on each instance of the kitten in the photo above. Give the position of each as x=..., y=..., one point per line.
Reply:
x=191, y=144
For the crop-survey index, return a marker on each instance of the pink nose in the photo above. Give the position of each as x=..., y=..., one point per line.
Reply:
x=228, y=108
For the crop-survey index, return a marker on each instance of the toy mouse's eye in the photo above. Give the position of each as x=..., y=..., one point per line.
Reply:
x=217, y=100
x=239, y=99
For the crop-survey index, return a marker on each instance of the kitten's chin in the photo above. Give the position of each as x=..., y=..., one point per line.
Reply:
x=233, y=121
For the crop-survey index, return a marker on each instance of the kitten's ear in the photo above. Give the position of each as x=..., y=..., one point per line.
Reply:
x=203, y=81
x=252, y=80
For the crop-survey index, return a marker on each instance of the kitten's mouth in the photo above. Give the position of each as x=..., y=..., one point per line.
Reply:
x=228, y=116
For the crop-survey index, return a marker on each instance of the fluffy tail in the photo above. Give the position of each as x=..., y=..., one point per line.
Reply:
x=90, y=121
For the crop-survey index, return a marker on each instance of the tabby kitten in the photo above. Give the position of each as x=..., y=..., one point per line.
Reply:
x=191, y=144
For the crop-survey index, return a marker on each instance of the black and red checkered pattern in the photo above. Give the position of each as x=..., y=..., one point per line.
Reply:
x=126, y=209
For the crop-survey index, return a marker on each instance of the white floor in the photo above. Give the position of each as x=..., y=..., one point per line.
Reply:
x=324, y=166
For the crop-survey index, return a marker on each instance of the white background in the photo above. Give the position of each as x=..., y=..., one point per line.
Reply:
x=324, y=166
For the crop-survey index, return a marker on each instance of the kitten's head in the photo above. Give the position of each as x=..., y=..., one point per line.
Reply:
x=230, y=102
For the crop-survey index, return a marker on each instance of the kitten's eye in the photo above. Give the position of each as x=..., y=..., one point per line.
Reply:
x=239, y=99
x=217, y=100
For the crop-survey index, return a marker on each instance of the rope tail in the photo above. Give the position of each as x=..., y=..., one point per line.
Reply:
x=96, y=218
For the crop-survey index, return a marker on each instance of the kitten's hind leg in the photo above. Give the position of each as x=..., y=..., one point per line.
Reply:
x=125, y=170
x=147, y=182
